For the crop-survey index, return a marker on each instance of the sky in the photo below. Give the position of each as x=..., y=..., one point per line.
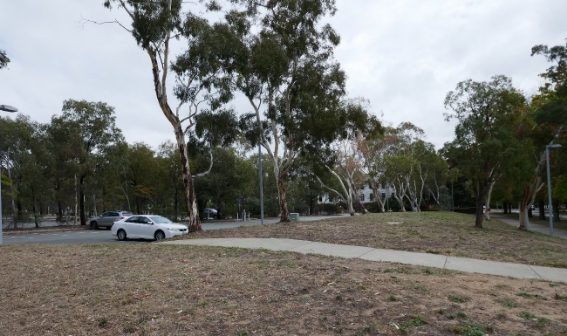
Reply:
x=403, y=55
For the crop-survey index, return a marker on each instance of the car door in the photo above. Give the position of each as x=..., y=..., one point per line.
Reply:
x=146, y=228
x=131, y=226
x=103, y=219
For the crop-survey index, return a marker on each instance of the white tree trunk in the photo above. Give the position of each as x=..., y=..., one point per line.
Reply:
x=487, y=201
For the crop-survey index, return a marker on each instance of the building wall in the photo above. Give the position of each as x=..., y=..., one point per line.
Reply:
x=366, y=195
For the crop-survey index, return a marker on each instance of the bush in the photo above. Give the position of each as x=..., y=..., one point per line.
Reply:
x=374, y=208
x=470, y=211
x=331, y=209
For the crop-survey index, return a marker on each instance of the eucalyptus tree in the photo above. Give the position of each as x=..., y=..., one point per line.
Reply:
x=489, y=115
x=62, y=143
x=346, y=169
x=34, y=188
x=401, y=164
x=154, y=24
x=284, y=67
x=23, y=157
x=336, y=161
x=373, y=153
x=549, y=113
x=89, y=129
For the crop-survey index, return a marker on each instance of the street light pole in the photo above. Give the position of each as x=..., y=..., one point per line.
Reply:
x=550, y=201
x=11, y=109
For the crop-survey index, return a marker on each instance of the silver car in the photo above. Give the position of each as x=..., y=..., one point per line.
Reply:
x=108, y=218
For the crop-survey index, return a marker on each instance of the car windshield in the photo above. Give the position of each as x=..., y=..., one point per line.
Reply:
x=160, y=220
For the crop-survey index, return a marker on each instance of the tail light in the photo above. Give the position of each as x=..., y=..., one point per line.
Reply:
x=122, y=217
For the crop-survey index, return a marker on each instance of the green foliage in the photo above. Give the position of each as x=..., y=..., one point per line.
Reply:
x=4, y=60
x=231, y=178
x=487, y=143
x=82, y=135
x=24, y=157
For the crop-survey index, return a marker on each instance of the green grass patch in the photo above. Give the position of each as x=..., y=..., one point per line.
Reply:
x=507, y=302
x=471, y=329
x=458, y=299
x=529, y=296
x=527, y=316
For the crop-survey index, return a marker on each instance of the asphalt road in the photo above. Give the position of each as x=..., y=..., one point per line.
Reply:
x=105, y=237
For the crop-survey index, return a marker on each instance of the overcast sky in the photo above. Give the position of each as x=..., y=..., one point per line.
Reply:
x=404, y=56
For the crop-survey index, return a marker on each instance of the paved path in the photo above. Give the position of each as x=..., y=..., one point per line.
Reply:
x=403, y=257
x=532, y=227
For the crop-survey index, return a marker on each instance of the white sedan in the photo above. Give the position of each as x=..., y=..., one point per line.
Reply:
x=147, y=227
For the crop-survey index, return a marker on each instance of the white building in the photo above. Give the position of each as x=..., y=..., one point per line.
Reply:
x=366, y=195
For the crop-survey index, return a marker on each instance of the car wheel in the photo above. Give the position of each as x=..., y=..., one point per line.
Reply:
x=94, y=225
x=159, y=235
x=121, y=235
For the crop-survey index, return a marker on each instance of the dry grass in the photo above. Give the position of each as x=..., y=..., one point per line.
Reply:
x=443, y=233
x=154, y=289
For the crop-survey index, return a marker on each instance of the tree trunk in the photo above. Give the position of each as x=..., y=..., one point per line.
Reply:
x=505, y=207
x=161, y=95
x=34, y=209
x=530, y=214
x=356, y=198
x=556, y=211
x=284, y=212
x=541, y=206
x=479, y=189
x=194, y=220
x=94, y=206
x=18, y=210
x=82, y=200
x=479, y=220
x=59, y=211
x=14, y=212
x=524, y=219
x=76, y=203
x=400, y=202
x=487, y=201
x=378, y=198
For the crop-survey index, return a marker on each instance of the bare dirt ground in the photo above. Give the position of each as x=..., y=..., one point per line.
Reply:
x=443, y=233
x=185, y=290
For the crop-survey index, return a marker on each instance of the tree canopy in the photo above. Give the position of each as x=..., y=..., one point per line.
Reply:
x=485, y=144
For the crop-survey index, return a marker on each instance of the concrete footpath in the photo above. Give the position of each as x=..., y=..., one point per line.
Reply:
x=366, y=253
x=532, y=227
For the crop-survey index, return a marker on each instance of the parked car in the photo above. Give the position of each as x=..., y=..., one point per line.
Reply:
x=108, y=218
x=210, y=213
x=147, y=227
